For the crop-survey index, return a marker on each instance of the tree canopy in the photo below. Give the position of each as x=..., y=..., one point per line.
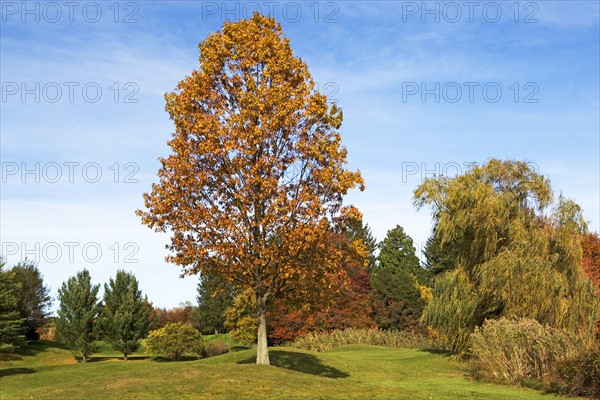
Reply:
x=256, y=170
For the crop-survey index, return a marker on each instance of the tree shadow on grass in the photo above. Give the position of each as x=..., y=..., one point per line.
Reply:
x=301, y=362
x=15, y=371
x=31, y=349
x=444, y=353
x=94, y=358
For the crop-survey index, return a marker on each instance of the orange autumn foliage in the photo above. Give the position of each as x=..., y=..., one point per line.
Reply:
x=257, y=169
x=347, y=306
x=591, y=262
x=591, y=258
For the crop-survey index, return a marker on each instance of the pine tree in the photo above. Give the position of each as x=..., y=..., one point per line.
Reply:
x=354, y=228
x=11, y=332
x=215, y=295
x=438, y=258
x=77, y=315
x=398, y=252
x=33, y=298
x=397, y=302
x=125, y=316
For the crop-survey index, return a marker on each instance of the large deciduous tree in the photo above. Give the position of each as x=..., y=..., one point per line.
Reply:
x=78, y=313
x=34, y=297
x=257, y=167
x=509, y=259
x=125, y=316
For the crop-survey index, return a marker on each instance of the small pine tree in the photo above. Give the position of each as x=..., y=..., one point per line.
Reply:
x=11, y=332
x=125, y=316
x=77, y=314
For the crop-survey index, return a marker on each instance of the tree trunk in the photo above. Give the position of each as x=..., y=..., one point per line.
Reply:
x=83, y=358
x=124, y=356
x=262, y=353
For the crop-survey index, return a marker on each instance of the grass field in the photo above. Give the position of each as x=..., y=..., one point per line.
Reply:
x=45, y=370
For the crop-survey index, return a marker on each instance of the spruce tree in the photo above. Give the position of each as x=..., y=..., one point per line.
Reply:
x=215, y=295
x=354, y=228
x=125, y=316
x=11, y=332
x=397, y=251
x=397, y=302
x=77, y=314
x=33, y=298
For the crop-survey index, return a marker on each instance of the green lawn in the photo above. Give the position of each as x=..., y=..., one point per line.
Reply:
x=47, y=371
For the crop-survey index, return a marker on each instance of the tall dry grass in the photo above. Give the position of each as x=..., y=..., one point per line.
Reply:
x=325, y=341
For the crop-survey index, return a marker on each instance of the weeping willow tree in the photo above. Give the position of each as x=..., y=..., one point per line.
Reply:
x=507, y=258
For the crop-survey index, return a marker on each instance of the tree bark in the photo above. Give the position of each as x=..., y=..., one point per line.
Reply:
x=262, y=352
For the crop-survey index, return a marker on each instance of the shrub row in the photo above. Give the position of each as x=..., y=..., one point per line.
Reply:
x=325, y=341
x=522, y=351
x=513, y=351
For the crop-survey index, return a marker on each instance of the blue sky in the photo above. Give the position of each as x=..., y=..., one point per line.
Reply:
x=425, y=88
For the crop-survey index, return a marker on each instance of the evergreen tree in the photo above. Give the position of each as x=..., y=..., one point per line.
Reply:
x=125, y=316
x=354, y=228
x=398, y=252
x=215, y=295
x=11, y=332
x=77, y=314
x=33, y=298
x=438, y=258
x=397, y=302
